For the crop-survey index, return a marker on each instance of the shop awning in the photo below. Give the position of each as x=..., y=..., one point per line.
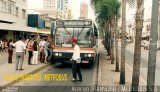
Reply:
x=13, y=27
x=44, y=31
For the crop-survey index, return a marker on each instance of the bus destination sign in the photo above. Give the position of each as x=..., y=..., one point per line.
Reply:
x=74, y=23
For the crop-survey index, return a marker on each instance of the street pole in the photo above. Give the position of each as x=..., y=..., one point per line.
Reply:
x=153, y=47
x=159, y=30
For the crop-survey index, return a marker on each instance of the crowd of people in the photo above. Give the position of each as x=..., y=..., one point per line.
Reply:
x=42, y=48
x=3, y=45
x=37, y=49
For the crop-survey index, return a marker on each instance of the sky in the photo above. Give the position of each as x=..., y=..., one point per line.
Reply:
x=32, y=4
x=147, y=10
x=73, y=4
x=147, y=14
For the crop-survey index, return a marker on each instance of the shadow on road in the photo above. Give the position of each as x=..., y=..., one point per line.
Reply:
x=60, y=65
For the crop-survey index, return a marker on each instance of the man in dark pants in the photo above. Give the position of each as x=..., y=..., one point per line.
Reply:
x=76, y=61
x=30, y=50
x=10, y=50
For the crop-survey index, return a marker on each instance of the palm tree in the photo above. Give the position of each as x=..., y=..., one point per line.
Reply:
x=137, y=49
x=117, y=52
x=102, y=12
x=107, y=10
x=108, y=14
x=123, y=32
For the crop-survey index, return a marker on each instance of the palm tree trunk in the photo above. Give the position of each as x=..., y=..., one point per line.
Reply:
x=108, y=38
x=112, y=40
x=116, y=46
x=112, y=48
x=123, y=32
x=137, y=49
x=105, y=37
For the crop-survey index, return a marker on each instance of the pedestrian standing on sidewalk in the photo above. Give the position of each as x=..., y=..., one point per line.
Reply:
x=41, y=50
x=30, y=50
x=35, y=52
x=46, y=50
x=76, y=61
x=5, y=45
x=0, y=45
x=10, y=50
x=20, y=49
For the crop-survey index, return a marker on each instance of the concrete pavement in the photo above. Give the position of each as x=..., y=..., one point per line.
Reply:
x=144, y=62
x=8, y=74
x=107, y=75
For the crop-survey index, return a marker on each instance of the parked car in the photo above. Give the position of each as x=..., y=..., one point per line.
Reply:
x=142, y=43
x=146, y=45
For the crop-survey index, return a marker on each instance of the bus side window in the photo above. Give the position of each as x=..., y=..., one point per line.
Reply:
x=96, y=34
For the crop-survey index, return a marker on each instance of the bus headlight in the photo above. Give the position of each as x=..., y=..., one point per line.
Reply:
x=85, y=55
x=60, y=54
x=56, y=54
x=89, y=55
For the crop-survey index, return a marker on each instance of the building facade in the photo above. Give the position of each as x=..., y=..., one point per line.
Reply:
x=49, y=4
x=13, y=19
x=63, y=5
x=43, y=25
x=56, y=9
x=70, y=16
x=84, y=10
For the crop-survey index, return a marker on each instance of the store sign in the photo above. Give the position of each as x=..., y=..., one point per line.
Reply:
x=47, y=24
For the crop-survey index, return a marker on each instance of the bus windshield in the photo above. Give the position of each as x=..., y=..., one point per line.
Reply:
x=84, y=36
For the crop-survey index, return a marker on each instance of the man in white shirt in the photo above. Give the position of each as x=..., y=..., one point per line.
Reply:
x=41, y=50
x=20, y=50
x=76, y=61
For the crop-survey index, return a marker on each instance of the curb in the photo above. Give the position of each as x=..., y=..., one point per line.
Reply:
x=99, y=69
x=24, y=76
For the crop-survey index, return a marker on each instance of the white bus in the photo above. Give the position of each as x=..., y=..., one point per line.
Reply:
x=86, y=34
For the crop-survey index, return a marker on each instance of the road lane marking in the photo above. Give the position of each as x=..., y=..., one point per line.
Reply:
x=143, y=80
x=139, y=76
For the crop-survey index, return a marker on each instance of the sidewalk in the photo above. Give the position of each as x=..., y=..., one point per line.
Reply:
x=107, y=75
x=8, y=74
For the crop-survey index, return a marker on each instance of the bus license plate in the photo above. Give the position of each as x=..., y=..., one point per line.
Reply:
x=84, y=61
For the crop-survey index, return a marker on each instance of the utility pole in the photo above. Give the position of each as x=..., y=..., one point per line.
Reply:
x=159, y=30
x=153, y=47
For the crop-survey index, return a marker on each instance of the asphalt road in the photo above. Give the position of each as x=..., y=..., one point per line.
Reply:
x=47, y=83
x=143, y=63
x=66, y=85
